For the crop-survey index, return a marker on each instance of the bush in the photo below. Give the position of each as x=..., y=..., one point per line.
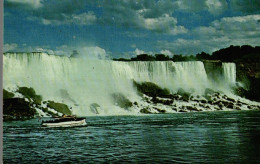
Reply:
x=151, y=89
x=59, y=107
x=7, y=94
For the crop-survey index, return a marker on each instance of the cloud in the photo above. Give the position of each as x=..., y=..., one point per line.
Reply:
x=10, y=47
x=34, y=4
x=221, y=33
x=166, y=52
x=55, y=12
x=246, y=6
x=80, y=19
x=214, y=7
x=155, y=16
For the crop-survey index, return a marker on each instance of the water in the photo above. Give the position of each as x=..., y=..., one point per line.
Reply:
x=208, y=137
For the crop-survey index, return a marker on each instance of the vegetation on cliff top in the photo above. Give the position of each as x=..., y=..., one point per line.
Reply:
x=229, y=54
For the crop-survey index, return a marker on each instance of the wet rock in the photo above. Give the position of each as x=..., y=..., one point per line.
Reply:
x=230, y=106
x=160, y=110
x=145, y=111
x=185, y=95
x=94, y=107
x=121, y=100
x=151, y=89
x=192, y=108
x=230, y=99
x=17, y=109
x=208, y=91
x=174, y=108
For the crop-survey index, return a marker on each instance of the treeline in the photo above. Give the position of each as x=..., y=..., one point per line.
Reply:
x=230, y=54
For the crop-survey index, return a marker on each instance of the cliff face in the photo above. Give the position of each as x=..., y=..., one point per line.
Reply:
x=213, y=69
x=248, y=72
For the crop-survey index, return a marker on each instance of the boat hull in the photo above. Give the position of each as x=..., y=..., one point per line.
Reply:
x=65, y=124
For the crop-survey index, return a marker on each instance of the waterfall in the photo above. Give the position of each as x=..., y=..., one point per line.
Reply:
x=82, y=82
x=229, y=72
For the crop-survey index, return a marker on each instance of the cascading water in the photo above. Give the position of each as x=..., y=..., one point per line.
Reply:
x=82, y=83
x=229, y=72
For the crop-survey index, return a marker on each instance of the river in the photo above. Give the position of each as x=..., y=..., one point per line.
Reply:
x=205, y=137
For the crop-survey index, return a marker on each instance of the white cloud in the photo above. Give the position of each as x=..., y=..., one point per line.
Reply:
x=166, y=52
x=32, y=3
x=93, y=53
x=138, y=52
x=221, y=33
x=10, y=47
x=80, y=19
x=216, y=6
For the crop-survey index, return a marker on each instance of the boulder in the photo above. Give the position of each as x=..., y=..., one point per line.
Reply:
x=121, y=100
x=17, y=109
x=151, y=89
x=145, y=111
x=94, y=108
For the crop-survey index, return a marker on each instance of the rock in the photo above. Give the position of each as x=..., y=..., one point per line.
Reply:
x=121, y=100
x=231, y=106
x=230, y=99
x=209, y=91
x=59, y=107
x=94, y=107
x=160, y=110
x=174, y=108
x=151, y=89
x=145, y=111
x=192, y=108
x=17, y=109
x=185, y=95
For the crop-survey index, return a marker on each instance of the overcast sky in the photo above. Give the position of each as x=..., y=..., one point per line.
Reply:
x=124, y=28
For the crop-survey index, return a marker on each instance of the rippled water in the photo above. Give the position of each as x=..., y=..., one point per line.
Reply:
x=208, y=137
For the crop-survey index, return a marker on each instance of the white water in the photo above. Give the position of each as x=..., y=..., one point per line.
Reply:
x=80, y=83
x=229, y=72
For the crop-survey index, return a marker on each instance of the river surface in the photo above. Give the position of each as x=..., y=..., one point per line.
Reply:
x=205, y=137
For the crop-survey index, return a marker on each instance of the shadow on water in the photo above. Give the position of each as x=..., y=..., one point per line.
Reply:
x=215, y=137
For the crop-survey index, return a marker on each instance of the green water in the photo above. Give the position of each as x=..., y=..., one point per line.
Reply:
x=206, y=137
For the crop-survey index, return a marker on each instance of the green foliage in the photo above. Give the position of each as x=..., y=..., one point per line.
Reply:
x=59, y=107
x=30, y=93
x=236, y=53
x=121, y=100
x=143, y=57
x=151, y=89
x=7, y=94
x=230, y=54
x=161, y=57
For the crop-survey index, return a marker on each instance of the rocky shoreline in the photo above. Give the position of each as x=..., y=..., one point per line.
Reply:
x=25, y=104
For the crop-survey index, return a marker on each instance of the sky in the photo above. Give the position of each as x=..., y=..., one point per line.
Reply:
x=126, y=28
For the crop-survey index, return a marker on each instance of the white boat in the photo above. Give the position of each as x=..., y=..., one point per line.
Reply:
x=65, y=122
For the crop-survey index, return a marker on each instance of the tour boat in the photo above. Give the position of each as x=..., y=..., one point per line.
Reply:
x=65, y=122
